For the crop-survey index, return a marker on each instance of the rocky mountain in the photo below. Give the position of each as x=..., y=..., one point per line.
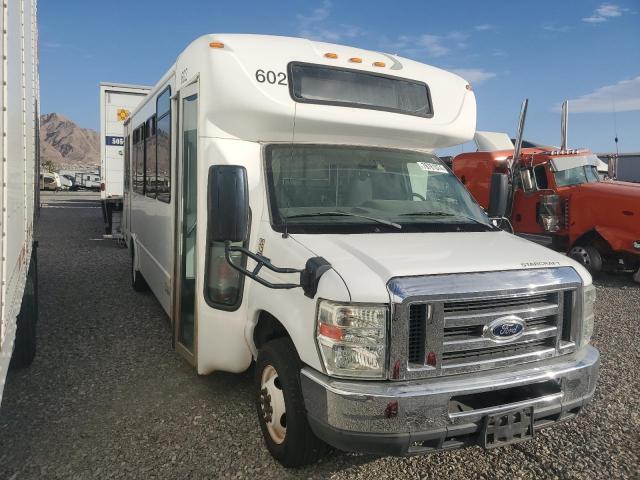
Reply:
x=66, y=144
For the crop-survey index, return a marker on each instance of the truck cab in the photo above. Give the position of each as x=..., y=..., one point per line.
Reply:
x=558, y=194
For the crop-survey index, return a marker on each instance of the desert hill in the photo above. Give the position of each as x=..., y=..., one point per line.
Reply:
x=66, y=144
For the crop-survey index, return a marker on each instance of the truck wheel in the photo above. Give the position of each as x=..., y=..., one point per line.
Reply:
x=281, y=411
x=24, y=347
x=589, y=257
x=138, y=283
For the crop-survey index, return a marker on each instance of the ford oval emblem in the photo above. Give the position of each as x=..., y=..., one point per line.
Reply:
x=505, y=328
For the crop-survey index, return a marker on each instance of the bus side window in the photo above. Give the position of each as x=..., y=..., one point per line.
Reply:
x=127, y=167
x=138, y=160
x=163, y=146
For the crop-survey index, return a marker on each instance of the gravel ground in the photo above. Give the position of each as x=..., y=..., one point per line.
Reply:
x=108, y=398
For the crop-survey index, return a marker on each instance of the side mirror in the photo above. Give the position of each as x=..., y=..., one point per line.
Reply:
x=498, y=195
x=228, y=203
x=527, y=179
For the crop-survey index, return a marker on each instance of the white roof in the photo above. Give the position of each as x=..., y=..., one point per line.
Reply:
x=236, y=105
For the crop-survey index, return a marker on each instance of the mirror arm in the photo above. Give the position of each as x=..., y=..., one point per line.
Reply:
x=261, y=262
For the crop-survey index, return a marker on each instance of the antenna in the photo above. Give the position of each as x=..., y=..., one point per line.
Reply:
x=518, y=146
x=564, y=126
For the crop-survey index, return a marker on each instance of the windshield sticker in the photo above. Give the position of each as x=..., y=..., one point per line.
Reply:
x=432, y=167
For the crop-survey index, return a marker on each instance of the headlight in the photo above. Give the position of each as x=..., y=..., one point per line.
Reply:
x=588, y=300
x=353, y=338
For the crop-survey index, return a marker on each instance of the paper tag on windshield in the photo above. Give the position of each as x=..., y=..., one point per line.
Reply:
x=432, y=167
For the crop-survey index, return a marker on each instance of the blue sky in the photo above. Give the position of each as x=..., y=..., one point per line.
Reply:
x=582, y=50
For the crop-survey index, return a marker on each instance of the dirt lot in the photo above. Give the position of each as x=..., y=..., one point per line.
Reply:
x=108, y=398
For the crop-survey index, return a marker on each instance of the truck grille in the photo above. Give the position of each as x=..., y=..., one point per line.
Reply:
x=464, y=343
x=445, y=318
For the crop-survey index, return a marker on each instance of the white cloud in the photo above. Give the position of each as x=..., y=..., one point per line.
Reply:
x=313, y=26
x=624, y=96
x=604, y=12
x=474, y=75
x=483, y=27
x=431, y=45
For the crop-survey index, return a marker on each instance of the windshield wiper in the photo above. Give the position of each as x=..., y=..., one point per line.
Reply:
x=346, y=214
x=447, y=214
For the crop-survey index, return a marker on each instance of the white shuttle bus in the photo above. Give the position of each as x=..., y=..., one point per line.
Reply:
x=282, y=204
x=117, y=100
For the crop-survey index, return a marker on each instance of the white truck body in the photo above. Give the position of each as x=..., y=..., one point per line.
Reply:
x=19, y=173
x=624, y=167
x=238, y=102
x=117, y=100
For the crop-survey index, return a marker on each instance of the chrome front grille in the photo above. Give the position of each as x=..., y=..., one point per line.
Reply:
x=466, y=321
x=446, y=318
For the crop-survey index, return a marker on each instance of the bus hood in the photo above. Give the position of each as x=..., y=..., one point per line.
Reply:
x=366, y=262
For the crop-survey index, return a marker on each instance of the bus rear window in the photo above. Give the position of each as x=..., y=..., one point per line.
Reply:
x=355, y=88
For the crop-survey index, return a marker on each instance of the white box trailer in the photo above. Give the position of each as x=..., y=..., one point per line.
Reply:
x=117, y=100
x=625, y=167
x=18, y=184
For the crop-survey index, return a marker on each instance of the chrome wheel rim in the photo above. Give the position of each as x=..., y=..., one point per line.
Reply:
x=581, y=254
x=272, y=406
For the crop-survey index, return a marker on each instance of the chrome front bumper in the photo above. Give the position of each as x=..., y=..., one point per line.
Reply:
x=411, y=417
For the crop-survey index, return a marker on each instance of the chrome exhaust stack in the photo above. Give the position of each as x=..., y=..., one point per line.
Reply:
x=518, y=146
x=564, y=126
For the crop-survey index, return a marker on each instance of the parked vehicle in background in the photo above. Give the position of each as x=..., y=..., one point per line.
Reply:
x=65, y=183
x=19, y=195
x=280, y=203
x=88, y=181
x=117, y=100
x=50, y=181
x=624, y=167
x=72, y=181
x=559, y=195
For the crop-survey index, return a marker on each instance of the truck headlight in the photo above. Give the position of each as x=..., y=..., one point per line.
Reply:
x=352, y=338
x=588, y=301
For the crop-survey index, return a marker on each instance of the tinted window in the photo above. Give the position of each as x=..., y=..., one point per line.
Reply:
x=320, y=84
x=541, y=177
x=138, y=162
x=163, y=147
x=150, y=158
x=163, y=104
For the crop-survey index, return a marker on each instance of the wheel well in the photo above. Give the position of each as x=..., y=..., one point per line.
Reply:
x=268, y=328
x=595, y=239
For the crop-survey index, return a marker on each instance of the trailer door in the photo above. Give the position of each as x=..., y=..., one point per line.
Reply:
x=186, y=223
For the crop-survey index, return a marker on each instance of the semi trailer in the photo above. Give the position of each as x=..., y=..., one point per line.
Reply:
x=117, y=100
x=19, y=194
x=281, y=203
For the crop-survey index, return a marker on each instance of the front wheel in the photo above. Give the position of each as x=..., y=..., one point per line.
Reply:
x=280, y=406
x=589, y=257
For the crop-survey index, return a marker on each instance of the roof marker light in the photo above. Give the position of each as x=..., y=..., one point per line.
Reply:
x=468, y=87
x=216, y=44
x=379, y=64
x=355, y=60
x=331, y=55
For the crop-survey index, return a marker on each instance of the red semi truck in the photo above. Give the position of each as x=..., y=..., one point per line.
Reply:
x=557, y=193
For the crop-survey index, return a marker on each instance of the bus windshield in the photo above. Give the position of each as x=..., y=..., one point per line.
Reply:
x=577, y=176
x=323, y=188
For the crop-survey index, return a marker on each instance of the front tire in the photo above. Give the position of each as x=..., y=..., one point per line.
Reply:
x=589, y=257
x=280, y=406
